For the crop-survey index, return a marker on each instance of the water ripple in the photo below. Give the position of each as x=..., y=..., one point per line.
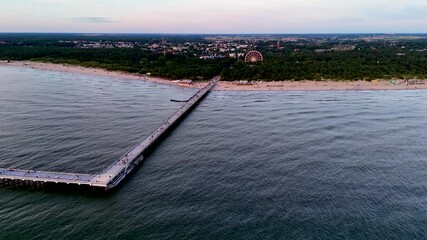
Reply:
x=243, y=165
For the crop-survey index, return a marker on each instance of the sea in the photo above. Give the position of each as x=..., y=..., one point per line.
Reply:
x=242, y=165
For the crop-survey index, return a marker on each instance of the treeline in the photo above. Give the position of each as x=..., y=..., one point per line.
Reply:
x=293, y=62
x=360, y=64
x=129, y=60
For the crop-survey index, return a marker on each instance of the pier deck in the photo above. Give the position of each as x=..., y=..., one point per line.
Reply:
x=113, y=175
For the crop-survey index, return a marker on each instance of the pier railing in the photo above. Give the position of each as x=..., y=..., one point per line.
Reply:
x=118, y=170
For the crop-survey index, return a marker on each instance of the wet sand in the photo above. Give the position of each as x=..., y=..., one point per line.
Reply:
x=232, y=86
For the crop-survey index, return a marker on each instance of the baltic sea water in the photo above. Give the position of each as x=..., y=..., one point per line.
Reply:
x=242, y=165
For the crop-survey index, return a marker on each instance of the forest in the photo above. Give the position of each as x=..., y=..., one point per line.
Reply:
x=369, y=60
x=354, y=65
x=127, y=60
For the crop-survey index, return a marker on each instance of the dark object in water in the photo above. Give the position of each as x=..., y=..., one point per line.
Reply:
x=174, y=100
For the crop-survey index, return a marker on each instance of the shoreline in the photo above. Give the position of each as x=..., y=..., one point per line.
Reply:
x=66, y=68
x=375, y=85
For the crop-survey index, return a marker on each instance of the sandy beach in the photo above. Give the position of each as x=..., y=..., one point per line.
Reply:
x=234, y=86
x=93, y=71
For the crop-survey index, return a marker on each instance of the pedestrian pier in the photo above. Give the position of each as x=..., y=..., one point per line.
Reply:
x=114, y=174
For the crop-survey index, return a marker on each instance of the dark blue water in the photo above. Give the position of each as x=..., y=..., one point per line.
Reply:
x=243, y=165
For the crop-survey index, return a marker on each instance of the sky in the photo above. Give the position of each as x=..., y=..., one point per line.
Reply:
x=214, y=16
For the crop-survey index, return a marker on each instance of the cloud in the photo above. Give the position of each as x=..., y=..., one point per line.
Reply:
x=217, y=16
x=92, y=19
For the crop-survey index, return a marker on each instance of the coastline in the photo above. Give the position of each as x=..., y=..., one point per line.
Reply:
x=231, y=86
x=66, y=68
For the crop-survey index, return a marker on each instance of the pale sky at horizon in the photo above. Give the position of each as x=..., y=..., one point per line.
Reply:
x=215, y=16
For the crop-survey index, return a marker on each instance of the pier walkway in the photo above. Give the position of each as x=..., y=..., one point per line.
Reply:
x=113, y=175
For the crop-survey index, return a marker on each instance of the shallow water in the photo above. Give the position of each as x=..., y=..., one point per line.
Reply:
x=250, y=165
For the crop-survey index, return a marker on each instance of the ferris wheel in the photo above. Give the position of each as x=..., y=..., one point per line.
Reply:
x=253, y=57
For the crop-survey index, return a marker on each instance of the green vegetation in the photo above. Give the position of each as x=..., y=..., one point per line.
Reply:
x=364, y=64
x=292, y=61
x=128, y=60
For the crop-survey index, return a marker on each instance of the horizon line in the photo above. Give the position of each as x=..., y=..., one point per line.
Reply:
x=182, y=33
